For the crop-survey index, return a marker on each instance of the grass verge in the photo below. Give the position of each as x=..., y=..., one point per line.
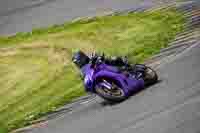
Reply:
x=37, y=75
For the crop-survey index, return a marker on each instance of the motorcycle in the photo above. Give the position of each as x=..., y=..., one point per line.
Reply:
x=113, y=84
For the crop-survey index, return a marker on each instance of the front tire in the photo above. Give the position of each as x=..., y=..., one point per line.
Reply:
x=114, y=94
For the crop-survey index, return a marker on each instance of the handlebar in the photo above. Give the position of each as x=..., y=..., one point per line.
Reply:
x=97, y=59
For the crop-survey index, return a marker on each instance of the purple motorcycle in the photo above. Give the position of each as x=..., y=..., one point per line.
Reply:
x=111, y=83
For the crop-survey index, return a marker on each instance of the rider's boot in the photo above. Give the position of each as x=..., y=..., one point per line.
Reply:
x=139, y=71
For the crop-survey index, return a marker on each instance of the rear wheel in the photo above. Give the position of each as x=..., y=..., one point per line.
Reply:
x=111, y=91
x=150, y=76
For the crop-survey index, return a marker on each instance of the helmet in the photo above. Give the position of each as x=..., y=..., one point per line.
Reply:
x=80, y=59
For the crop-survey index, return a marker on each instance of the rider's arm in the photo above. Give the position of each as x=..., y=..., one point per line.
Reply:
x=114, y=61
x=117, y=61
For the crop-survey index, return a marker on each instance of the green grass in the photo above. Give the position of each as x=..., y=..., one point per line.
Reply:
x=37, y=75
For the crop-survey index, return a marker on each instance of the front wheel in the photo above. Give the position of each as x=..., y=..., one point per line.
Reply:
x=150, y=76
x=110, y=90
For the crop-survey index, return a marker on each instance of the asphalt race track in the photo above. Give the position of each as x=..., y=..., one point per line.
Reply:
x=171, y=106
x=24, y=15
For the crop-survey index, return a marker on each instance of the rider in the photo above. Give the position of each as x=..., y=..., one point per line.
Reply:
x=81, y=59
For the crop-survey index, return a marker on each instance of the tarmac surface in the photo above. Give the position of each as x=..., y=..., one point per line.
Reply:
x=24, y=15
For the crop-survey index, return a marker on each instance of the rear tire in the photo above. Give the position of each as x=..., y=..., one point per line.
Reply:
x=150, y=76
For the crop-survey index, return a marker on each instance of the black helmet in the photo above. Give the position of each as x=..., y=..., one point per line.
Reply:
x=80, y=59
